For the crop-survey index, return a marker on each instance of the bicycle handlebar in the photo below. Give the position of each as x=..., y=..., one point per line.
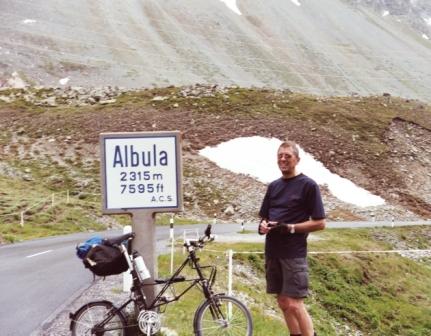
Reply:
x=207, y=237
x=208, y=231
x=116, y=241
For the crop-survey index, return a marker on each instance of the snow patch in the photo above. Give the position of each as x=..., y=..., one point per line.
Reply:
x=15, y=81
x=428, y=21
x=257, y=156
x=296, y=2
x=231, y=4
x=425, y=36
x=4, y=51
x=385, y=13
x=28, y=21
x=64, y=81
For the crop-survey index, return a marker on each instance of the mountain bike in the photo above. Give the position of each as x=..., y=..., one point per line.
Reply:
x=218, y=314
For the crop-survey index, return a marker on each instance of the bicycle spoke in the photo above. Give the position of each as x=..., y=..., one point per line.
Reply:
x=93, y=314
x=218, y=330
x=233, y=319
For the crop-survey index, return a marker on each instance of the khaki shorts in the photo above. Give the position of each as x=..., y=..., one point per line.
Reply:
x=287, y=277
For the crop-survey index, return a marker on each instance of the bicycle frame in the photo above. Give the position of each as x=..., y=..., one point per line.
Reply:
x=175, y=278
x=160, y=300
x=138, y=297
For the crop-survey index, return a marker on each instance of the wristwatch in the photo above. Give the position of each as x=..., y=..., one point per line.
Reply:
x=292, y=228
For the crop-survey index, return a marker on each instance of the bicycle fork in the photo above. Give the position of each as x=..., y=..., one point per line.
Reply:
x=217, y=313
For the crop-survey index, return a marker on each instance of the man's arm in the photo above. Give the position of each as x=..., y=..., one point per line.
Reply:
x=307, y=226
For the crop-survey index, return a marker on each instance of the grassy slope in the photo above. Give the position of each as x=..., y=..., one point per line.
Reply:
x=377, y=294
x=203, y=121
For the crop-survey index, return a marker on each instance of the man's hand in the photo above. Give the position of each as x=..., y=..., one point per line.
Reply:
x=266, y=226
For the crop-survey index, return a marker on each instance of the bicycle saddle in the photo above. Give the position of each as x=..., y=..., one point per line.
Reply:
x=119, y=239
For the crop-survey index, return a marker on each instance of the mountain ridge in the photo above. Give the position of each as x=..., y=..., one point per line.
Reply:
x=328, y=47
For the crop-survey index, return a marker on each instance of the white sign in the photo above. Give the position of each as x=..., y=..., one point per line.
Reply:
x=141, y=171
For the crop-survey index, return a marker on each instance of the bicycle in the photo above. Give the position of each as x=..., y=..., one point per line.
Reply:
x=218, y=314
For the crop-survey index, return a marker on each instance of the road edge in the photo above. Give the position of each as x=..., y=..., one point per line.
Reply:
x=68, y=303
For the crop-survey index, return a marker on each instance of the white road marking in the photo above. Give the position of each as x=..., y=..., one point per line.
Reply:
x=36, y=254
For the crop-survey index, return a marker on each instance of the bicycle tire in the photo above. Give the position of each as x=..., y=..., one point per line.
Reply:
x=90, y=314
x=223, y=315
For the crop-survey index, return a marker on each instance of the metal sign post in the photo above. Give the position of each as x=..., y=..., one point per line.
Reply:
x=141, y=174
x=143, y=224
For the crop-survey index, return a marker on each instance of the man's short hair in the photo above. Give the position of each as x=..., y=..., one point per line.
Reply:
x=290, y=144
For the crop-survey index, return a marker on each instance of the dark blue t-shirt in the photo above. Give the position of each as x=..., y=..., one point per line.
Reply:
x=294, y=200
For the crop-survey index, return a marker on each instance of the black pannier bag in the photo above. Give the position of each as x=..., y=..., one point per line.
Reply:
x=105, y=260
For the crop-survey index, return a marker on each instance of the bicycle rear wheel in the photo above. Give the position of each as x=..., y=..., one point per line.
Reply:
x=85, y=320
x=223, y=315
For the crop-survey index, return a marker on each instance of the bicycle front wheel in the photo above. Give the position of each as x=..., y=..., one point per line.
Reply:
x=223, y=315
x=98, y=318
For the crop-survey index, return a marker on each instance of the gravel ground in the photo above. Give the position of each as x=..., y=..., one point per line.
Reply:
x=109, y=289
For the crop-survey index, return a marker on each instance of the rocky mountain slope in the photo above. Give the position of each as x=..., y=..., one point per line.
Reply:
x=326, y=47
x=49, y=143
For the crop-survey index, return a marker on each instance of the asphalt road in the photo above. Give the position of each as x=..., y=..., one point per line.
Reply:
x=37, y=277
x=40, y=277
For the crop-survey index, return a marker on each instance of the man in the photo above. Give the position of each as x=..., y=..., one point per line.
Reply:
x=292, y=207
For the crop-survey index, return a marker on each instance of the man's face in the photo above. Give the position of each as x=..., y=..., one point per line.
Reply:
x=287, y=161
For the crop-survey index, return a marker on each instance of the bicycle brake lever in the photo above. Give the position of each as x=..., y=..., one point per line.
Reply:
x=208, y=231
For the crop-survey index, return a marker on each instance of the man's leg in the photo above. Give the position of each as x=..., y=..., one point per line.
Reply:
x=291, y=321
x=297, y=318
